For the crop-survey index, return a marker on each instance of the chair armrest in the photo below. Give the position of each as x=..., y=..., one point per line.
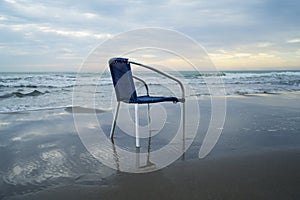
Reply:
x=144, y=82
x=164, y=74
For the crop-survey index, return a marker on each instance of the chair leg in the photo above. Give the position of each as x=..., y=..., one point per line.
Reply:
x=150, y=135
x=137, y=135
x=149, y=128
x=183, y=130
x=149, y=119
x=113, y=126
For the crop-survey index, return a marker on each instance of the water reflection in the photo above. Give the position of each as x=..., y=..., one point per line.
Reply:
x=143, y=160
x=39, y=152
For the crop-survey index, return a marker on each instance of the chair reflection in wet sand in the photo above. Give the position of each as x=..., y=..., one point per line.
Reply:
x=125, y=90
x=148, y=165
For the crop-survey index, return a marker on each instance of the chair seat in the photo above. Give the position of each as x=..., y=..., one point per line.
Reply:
x=153, y=99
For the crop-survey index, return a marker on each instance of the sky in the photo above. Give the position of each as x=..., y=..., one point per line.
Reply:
x=58, y=35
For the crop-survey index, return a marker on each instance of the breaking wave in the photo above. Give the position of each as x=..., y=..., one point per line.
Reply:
x=21, y=95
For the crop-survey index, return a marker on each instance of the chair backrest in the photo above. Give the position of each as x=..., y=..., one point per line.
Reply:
x=122, y=79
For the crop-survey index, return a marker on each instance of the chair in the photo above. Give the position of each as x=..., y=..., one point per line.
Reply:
x=125, y=90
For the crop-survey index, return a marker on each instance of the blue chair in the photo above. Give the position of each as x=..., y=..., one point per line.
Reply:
x=125, y=90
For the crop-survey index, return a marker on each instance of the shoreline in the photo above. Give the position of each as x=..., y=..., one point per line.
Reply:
x=288, y=95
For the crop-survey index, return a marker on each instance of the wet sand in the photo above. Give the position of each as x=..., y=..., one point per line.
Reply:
x=256, y=157
x=265, y=176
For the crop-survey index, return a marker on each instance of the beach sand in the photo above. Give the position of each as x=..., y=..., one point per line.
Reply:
x=256, y=157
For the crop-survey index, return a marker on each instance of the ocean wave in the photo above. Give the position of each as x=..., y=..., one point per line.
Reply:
x=212, y=74
x=202, y=74
x=262, y=74
x=10, y=79
x=14, y=85
x=254, y=92
x=21, y=95
x=34, y=86
x=290, y=82
x=19, y=86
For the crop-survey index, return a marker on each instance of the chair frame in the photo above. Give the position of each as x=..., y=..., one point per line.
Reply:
x=116, y=113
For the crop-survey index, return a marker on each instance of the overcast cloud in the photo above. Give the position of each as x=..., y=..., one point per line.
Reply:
x=57, y=35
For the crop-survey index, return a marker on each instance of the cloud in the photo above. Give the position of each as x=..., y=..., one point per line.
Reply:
x=293, y=40
x=264, y=44
x=35, y=27
x=78, y=34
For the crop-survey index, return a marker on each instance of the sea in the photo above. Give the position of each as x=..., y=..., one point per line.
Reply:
x=22, y=91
